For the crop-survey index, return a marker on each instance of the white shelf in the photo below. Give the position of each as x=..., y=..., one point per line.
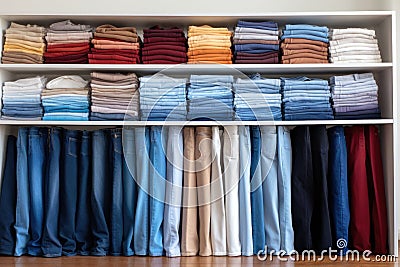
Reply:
x=194, y=123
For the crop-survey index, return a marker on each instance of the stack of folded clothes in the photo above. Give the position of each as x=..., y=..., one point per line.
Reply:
x=115, y=96
x=257, y=98
x=256, y=42
x=21, y=99
x=354, y=45
x=164, y=46
x=162, y=98
x=68, y=43
x=115, y=45
x=303, y=43
x=24, y=44
x=306, y=99
x=355, y=96
x=66, y=98
x=208, y=44
x=210, y=97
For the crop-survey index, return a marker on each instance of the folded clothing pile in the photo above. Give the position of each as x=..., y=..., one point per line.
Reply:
x=66, y=98
x=353, y=45
x=210, y=97
x=115, y=45
x=209, y=45
x=256, y=42
x=257, y=98
x=24, y=44
x=68, y=43
x=306, y=99
x=115, y=96
x=21, y=99
x=303, y=43
x=162, y=98
x=355, y=96
x=164, y=46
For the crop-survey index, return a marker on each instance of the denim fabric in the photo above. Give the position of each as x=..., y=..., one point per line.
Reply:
x=101, y=193
x=8, y=199
x=83, y=221
x=37, y=141
x=306, y=32
x=69, y=191
x=306, y=27
x=51, y=245
x=268, y=25
x=141, y=230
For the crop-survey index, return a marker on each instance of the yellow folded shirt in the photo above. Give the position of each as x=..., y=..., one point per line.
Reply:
x=22, y=46
x=18, y=49
x=23, y=42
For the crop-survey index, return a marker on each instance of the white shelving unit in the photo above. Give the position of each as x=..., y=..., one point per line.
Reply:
x=385, y=73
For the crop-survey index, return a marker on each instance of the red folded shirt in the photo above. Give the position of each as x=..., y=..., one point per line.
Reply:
x=68, y=49
x=164, y=47
x=65, y=54
x=114, y=51
x=164, y=53
x=165, y=57
x=115, y=57
x=75, y=61
x=67, y=45
x=104, y=61
x=165, y=39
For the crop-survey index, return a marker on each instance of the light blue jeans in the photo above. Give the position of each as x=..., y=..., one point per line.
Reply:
x=173, y=193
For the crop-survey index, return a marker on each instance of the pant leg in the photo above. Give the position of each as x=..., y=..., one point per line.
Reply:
x=360, y=226
x=51, y=246
x=68, y=191
x=190, y=239
x=203, y=147
x=231, y=183
x=256, y=195
x=245, y=228
x=218, y=216
x=37, y=140
x=284, y=148
x=378, y=196
x=269, y=174
x=157, y=190
x=83, y=221
x=116, y=220
x=101, y=192
x=173, y=192
x=141, y=230
x=8, y=199
x=302, y=188
x=129, y=176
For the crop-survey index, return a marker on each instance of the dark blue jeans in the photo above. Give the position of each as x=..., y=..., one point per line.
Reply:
x=83, y=226
x=338, y=188
x=8, y=199
x=37, y=141
x=51, y=246
x=69, y=191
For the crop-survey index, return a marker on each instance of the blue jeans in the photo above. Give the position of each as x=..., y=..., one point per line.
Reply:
x=101, y=193
x=51, y=245
x=129, y=175
x=37, y=140
x=338, y=188
x=8, y=197
x=69, y=191
x=83, y=224
x=256, y=195
x=116, y=220
x=157, y=190
x=141, y=230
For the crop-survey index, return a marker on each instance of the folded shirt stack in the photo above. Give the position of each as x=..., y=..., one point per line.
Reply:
x=24, y=44
x=115, y=96
x=209, y=45
x=66, y=98
x=21, y=99
x=355, y=96
x=256, y=42
x=68, y=43
x=115, y=45
x=306, y=99
x=257, y=98
x=162, y=98
x=353, y=45
x=303, y=43
x=164, y=46
x=210, y=97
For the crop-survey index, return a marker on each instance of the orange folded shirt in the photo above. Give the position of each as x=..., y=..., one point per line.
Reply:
x=304, y=61
x=305, y=55
x=303, y=41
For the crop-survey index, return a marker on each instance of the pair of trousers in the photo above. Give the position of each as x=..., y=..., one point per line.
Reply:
x=311, y=221
x=368, y=225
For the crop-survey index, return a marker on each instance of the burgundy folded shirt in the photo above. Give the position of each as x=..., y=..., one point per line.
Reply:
x=164, y=52
x=114, y=51
x=164, y=57
x=101, y=61
x=181, y=44
x=164, y=39
x=66, y=54
x=164, y=47
x=114, y=57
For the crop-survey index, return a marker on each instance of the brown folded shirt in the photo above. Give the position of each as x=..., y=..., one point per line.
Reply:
x=114, y=76
x=304, y=61
x=303, y=41
x=23, y=55
x=116, y=36
x=305, y=55
x=304, y=46
x=6, y=60
x=287, y=52
x=111, y=28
